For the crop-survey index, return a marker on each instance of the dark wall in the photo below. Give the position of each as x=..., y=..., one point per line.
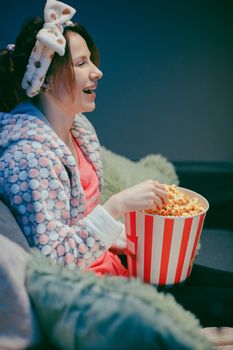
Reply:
x=168, y=73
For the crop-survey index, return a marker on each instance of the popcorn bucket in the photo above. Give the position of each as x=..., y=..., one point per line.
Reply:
x=161, y=249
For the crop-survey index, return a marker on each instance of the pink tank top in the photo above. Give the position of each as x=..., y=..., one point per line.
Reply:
x=108, y=263
x=89, y=181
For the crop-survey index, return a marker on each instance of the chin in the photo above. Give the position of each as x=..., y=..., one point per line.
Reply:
x=89, y=108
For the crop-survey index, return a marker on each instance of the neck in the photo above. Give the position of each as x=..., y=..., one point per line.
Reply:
x=60, y=119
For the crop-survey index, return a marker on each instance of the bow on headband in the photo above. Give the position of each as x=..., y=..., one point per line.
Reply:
x=50, y=39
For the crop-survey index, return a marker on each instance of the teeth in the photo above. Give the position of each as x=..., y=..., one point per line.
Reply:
x=87, y=91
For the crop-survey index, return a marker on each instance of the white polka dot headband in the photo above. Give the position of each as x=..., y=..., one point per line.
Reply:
x=50, y=39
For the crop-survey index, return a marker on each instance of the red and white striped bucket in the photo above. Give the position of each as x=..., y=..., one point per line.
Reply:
x=161, y=249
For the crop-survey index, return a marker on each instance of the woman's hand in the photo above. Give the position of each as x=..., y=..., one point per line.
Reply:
x=146, y=195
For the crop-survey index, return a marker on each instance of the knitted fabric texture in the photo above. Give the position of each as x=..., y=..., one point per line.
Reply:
x=40, y=182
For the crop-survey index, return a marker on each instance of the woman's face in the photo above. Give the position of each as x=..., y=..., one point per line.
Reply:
x=86, y=78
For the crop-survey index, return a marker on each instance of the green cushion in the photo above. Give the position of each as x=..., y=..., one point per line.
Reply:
x=82, y=311
x=121, y=172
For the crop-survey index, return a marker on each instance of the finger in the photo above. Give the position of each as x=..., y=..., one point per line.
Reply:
x=162, y=194
x=158, y=202
x=159, y=185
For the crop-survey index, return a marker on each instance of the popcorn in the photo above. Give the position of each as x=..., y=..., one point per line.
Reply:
x=179, y=204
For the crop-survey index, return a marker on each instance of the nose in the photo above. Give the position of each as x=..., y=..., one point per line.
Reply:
x=95, y=73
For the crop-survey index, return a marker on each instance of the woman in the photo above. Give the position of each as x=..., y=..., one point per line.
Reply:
x=50, y=164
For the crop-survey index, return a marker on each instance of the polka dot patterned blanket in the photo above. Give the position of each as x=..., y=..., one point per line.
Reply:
x=40, y=182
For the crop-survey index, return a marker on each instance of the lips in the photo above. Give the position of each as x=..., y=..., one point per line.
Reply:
x=89, y=90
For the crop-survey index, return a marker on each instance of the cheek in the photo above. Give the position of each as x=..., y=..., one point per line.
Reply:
x=61, y=92
x=80, y=77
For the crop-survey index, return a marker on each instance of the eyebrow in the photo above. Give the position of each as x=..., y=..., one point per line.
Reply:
x=81, y=57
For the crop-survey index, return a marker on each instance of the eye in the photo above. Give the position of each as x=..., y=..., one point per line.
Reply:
x=81, y=63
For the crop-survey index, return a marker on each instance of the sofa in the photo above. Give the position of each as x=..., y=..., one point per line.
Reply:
x=46, y=306
x=214, y=181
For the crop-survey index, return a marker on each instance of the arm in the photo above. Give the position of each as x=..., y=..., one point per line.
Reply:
x=38, y=191
x=145, y=195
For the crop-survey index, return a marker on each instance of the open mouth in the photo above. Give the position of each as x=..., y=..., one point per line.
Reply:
x=88, y=91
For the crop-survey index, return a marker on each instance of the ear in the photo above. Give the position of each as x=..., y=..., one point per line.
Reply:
x=46, y=86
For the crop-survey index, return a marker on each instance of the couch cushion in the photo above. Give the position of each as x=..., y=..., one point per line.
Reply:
x=82, y=311
x=18, y=326
x=9, y=227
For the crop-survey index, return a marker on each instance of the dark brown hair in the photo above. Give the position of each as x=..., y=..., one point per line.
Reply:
x=13, y=63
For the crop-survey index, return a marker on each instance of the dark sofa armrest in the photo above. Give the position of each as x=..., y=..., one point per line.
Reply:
x=213, y=180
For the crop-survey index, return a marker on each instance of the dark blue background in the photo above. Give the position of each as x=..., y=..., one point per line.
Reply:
x=168, y=73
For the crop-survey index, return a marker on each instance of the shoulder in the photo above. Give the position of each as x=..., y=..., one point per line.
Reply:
x=24, y=139
x=18, y=126
x=31, y=165
x=22, y=130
